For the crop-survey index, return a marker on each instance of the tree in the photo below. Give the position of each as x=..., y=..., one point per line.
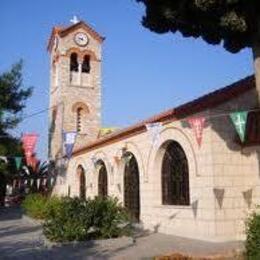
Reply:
x=13, y=95
x=235, y=23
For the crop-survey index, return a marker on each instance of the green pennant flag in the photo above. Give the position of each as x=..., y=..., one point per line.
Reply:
x=239, y=120
x=18, y=161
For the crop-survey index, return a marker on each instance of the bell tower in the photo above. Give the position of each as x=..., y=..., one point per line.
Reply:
x=75, y=85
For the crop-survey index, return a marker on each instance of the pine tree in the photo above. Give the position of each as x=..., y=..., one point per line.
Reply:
x=13, y=95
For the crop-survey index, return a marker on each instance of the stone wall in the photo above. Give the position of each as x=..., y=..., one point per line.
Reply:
x=65, y=94
x=223, y=177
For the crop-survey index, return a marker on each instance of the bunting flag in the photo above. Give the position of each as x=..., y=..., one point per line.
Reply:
x=239, y=119
x=69, y=141
x=18, y=161
x=154, y=130
x=38, y=183
x=44, y=182
x=4, y=158
x=26, y=170
x=29, y=142
x=197, y=124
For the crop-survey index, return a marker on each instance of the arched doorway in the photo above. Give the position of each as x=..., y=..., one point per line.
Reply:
x=82, y=182
x=102, y=179
x=175, y=176
x=131, y=187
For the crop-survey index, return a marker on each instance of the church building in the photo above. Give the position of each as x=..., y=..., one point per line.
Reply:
x=184, y=172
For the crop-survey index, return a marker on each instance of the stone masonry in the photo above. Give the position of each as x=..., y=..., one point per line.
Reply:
x=224, y=177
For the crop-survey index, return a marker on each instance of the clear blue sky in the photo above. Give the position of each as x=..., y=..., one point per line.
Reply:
x=143, y=73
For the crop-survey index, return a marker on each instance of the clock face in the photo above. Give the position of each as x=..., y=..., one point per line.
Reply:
x=81, y=39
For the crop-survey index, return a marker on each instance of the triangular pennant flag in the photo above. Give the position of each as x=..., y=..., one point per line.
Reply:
x=239, y=120
x=25, y=168
x=44, y=182
x=69, y=141
x=29, y=142
x=197, y=124
x=4, y=158
x=18, y=161
x=154, y=130
x=38, y=183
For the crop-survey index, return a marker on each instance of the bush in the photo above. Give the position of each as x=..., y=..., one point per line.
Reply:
x=68, y=221
x=253, y=237
x=51, y=205
x=109, y=218
x=34, y=205
x=76, y=219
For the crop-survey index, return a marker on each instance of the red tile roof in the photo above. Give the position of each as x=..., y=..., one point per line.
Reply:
x=205, y=102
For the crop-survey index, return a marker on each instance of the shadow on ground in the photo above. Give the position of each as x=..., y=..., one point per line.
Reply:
x=21, y=239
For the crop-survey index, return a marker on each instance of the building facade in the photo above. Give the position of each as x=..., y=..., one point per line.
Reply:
x=172, y=185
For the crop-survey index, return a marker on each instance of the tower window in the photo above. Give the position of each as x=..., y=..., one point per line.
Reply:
x=86, y=64
x=74, y=65
x=79, y=119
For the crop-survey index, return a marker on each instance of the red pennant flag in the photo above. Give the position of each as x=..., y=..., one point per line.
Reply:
x=197, y=124
x=29, y=142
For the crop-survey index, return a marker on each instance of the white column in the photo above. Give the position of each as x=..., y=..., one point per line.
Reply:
x=79, y=74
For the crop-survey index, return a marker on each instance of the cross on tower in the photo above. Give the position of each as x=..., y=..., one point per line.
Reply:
x=74, y=20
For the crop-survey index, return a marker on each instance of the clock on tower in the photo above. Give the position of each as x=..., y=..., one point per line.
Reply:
x=75, y=85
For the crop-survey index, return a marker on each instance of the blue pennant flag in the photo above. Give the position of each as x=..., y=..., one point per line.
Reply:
x=69, y=141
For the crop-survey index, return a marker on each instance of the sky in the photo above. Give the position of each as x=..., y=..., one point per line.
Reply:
x=143, y=73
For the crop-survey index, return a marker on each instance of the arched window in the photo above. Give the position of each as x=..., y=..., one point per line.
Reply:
x=74, y=65
x=86, y=64
x=79, y=119
x=131, y=187
x=82, y=182
x=102, y=179
x=175, y=176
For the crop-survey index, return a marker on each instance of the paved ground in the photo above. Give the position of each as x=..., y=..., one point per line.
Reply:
x=23, y=239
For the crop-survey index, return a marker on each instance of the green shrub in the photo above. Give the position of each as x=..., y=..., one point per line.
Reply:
x=109, y=218
x=52, y=204
x=71, y=219
x=253, y=237
x=34, y=205
x=68, y=221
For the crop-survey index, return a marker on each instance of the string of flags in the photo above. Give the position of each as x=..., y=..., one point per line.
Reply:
x=43, y=182
x=197, y=124
x=239, y=120
x=17, y=160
